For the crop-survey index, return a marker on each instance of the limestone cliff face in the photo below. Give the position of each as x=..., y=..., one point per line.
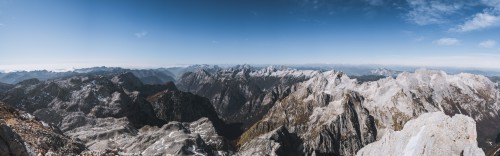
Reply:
x=243, y=94
x=331, y=101
x=394, y=101
x=429, y=134
x=325, y=124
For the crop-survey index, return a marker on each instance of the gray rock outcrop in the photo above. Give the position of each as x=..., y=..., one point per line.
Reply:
x=429, y=134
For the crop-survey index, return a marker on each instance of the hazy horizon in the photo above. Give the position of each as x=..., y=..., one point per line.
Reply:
x=396, y=67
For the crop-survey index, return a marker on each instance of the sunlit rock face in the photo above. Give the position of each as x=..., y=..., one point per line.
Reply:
x=174, y=138
x=429, y=134
x=327, y=124
x=243, y=94
x=380, y=106
x=393, y=101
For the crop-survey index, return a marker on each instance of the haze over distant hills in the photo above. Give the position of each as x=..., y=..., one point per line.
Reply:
x=162, y=75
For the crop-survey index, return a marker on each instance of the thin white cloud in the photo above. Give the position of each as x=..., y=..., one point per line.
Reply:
x=428, y=12
x=425, y=12
x=488, y=44
x=479, y=21
x=492, y=3
x=141, y=34
x=447, y=42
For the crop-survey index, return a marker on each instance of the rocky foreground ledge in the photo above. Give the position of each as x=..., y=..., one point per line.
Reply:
x=430, y=134
x=22, y=134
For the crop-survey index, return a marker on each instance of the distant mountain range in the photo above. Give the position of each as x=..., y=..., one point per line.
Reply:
x=248, y=110
x=163, y=75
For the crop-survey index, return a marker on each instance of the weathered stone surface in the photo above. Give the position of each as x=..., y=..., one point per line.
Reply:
x=276, y=142
x=101, y=109
x=429, y=134
x=11, y=143
x=388, y=103
x=174, y=138
x=325, y=127
x=243, y=94
x=23, y=134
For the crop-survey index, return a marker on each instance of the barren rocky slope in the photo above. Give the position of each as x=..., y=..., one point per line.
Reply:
x=329, y=102
x=97, y=109
x=327, y=124
x=243, y=94
x=23, y=134
x=430, y=134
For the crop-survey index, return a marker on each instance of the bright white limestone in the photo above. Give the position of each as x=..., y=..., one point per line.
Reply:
x=393, y=101
x=430, y=134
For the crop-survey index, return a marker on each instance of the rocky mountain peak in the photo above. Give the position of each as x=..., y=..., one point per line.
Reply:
x=171, y=86
x=128, y=81
x=172, y=105
x=243, y=94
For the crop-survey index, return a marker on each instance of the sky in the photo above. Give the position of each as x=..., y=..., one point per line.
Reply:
x=53, y=34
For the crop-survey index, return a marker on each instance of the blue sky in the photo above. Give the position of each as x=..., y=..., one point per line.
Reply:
x=84, y=33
